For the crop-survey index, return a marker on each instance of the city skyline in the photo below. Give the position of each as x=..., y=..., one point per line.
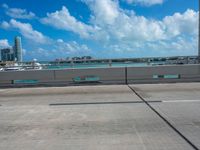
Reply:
x=12, y=53
x=101, y=29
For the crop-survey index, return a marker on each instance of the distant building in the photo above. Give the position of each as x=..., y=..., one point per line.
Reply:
x=7, y=54
x=76, y=58
x=13, y=54
x=82, y=58
x=18, y=49
x=86, y=58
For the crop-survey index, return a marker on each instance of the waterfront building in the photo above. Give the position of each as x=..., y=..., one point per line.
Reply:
x=18, y=49
x=7, y=54
x=14, y=53
x=86, y=58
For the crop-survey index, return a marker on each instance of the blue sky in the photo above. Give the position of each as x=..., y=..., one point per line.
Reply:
x=100, y=28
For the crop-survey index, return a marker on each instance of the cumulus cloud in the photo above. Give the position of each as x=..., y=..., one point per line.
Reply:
x=60, y=40
x=18, y=13
x=5, y=25
x=63, y=20
x=60, y=49
x=124, y=26
x=105, y=11
x=117, y=28
x=71, y=47
x=109, y=22
x=186, y=23
x=178, y=46
x=128, y=32
x=26, y=30
x=4, y=43
x=145, y=2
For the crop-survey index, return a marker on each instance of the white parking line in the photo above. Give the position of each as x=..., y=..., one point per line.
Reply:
x=180, y=101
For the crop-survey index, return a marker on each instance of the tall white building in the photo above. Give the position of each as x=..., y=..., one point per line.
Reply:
x=18, y=49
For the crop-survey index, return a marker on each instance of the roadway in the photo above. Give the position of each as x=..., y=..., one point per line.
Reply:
x=105, y=117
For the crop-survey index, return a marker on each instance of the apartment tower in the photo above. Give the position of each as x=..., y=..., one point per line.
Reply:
x=18, y=49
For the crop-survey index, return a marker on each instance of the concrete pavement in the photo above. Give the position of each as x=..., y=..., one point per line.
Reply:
x=110, y=117
x=180, y=105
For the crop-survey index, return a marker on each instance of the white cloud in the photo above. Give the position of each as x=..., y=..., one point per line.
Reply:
x=63, y=20
x=5, y=25
x=128, y=32
x=122, y=30
x=60, y=40
x=105, y=11
x=178, y=46
x=5, y=6
x=71, y=47
x=186, y=23
x=26, y=30
x=110, y=23
x=145, y=2
x=118, y=30
x=18, y=13
x=125, y=26
x=60, y=49
x=4, y=43
x=115, y=23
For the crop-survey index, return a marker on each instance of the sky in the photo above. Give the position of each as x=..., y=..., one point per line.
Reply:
x=100, y=28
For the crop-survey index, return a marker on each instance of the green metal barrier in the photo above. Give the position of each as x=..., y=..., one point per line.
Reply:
x=86, y=79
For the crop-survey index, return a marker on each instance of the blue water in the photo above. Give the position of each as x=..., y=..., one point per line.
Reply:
x=95, y=65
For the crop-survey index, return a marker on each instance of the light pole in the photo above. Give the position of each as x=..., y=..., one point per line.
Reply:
x=199, y=36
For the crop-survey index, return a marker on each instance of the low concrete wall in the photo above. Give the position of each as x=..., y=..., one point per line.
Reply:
x=40, y=75
x=145, y=74
x=32, y=74
x=106, y=75
x=123, y=75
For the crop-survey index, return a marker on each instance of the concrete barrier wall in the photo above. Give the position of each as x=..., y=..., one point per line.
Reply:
x=40, y=75
x=32, y=74
x=107, y=75
x=145, y=74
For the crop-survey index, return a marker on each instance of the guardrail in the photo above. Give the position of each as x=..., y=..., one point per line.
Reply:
x=121, y=75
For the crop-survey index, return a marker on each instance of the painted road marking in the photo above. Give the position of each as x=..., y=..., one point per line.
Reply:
x=180, y=101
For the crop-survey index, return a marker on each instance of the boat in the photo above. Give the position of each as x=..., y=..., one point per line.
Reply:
x=15, y=67
x=33, y=66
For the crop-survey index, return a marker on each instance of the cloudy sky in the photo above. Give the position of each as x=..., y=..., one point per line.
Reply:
x=100, y=28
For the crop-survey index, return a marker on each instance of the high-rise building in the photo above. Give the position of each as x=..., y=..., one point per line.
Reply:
x=14, y=53
x=18, y=49
x=7, y=54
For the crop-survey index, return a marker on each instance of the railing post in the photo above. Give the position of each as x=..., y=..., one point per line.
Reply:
x=126, y=81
